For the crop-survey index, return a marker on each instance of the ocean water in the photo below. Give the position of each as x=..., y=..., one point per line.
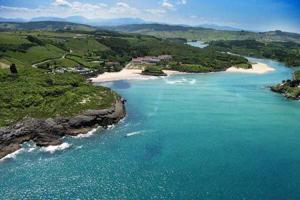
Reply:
x=194, y=136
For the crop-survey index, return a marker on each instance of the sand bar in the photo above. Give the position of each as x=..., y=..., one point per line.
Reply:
x=258, y=68
x=136, y=74
x=127, y=74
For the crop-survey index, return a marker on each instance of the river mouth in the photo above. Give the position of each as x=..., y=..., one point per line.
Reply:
x=188, y=136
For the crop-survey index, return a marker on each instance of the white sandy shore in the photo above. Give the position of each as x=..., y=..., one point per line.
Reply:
x=127, y=74
x=136, y=74
x=258, y=68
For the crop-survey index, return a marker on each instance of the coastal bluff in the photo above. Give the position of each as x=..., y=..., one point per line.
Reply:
x=46, y=132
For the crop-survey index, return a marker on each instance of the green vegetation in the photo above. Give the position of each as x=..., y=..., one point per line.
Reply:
x=184, y=56
x=244, y=66
x=105, y=51
x=36, y=93
x=289, y=88
x=45, y=26
x=36, y=54
x=153, y=71
x=206, y=34
x=287, y=52
x=84, y=46
x=193, y=68
x=46, y=91
x=297, y=75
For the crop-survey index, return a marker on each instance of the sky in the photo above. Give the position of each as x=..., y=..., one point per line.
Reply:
x=258, y=15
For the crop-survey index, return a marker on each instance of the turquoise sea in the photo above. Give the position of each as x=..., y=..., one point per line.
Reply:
x=194, y=136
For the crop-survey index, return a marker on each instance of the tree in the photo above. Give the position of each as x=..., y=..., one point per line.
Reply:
x=13, y=69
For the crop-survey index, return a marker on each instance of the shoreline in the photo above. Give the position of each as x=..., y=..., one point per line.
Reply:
x=258, y=68
x=128, y=74
x=136, y=74
x=48, y=133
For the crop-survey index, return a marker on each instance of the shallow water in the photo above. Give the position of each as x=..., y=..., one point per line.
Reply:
x=197, y=136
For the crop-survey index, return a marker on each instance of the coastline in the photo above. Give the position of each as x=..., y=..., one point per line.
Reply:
x=48, y=132
x=258, y=68
x=128, y=74
x=136, y=74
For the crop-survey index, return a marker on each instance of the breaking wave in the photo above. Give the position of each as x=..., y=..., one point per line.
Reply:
x=181, y=81
x=12, y=155
x=134, y=133
x=88, y=134
x=52, y=149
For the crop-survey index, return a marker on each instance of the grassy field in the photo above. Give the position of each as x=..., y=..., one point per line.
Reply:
x=36, y=54
x=88, y=49
x=39, y=94
x=206, y=34
x=12, y=39
x=84, y=46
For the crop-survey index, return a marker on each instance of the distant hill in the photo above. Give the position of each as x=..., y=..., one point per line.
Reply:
x=218, y=27
x=42, y=19
x=81, y=20
x=45, y=25
x=117, y=22
x=205, y=34
x=12, y=19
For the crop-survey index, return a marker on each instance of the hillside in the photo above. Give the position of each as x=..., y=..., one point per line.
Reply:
x=101, y=51
x=205, y=34
x=39, y=94
x=287, y=52
x=44, y=25
x=69, y=53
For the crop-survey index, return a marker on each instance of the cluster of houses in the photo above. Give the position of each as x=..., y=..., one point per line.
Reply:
x=78, y=69
x=151, y=59
x=139, y=60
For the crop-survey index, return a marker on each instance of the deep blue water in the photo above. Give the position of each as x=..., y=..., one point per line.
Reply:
x=202, y=136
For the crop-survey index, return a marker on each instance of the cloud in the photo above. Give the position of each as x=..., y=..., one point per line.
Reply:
x=65, y=8
x=62, y=3
x=193, y=16
x=167, y=5
x=157, y=11
x=182, y=2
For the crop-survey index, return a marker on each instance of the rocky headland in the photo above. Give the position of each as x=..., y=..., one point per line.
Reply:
x=289, y=88
x=46, y=132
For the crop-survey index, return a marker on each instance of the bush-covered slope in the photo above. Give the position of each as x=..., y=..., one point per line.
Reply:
x=205, y=34
x=289, y=88
x=36, y=93
x=287, y=52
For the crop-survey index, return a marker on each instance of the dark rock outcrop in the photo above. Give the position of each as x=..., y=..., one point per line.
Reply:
x=49, y=132
x=288, y=88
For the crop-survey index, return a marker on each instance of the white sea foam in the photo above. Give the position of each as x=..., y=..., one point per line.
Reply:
x=52, y=149
x=12, y=155
x=29, y=146
x=181, y=81
x=110, y=127
x=31, y=149
x=134, y=133
x=88, y=134
x=192, y=82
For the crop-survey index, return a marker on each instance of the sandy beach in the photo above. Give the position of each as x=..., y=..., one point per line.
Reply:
x=128, y=74
x=136, y=74
x=258, y=68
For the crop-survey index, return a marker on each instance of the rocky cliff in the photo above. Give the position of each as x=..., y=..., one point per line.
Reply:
x=45, y=132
